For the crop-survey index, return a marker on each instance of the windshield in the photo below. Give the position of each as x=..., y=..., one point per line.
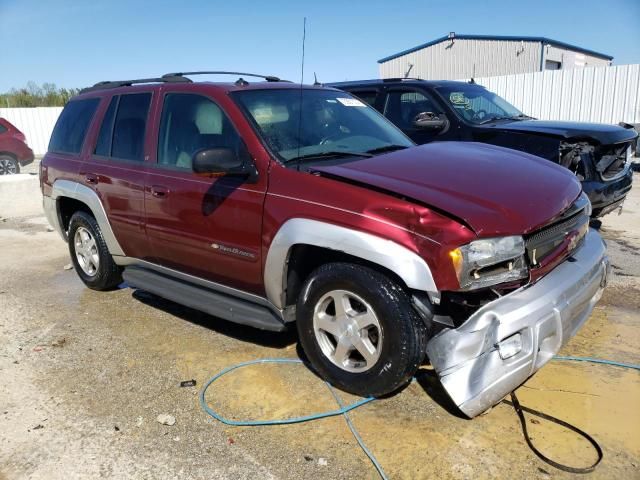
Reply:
x=331, y=124
x=478, y=105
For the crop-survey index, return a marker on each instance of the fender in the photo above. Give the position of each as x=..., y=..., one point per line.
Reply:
x=411, y=268
x=82, y=193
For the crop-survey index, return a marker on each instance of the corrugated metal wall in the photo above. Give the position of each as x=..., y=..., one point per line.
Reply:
x=571, y=59
x=466, y=58
x=36, y=124
x=592, y=94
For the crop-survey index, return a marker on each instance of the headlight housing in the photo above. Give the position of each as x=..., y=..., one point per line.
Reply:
x=489, y=261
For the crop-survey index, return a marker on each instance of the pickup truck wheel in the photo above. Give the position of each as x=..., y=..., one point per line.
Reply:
x=89, y=253
x=8, y=165
x=359, y=330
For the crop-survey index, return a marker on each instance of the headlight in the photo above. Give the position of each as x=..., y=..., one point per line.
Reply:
x=490, y=261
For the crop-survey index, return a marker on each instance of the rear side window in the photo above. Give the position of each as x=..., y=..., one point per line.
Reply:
x=123, y=127
x=367, y=96
x=3, y=128
x=72, y=125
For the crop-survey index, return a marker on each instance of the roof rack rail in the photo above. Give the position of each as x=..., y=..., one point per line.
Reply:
x=125, y=83
x=397, y=79
x=268, y=78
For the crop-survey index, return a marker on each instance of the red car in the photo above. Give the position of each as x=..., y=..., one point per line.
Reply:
x=272, y=205
x=14, y=151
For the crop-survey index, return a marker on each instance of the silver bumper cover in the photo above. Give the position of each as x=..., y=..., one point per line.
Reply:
x=546, y=314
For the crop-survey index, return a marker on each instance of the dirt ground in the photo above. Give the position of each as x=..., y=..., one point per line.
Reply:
x=83, y=376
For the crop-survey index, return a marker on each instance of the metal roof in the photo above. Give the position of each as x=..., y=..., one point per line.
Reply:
x=543, y=40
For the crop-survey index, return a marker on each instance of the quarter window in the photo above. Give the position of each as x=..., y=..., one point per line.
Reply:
x=190, y=123
x=72, y=125
x=2, y=128
x=103, y=146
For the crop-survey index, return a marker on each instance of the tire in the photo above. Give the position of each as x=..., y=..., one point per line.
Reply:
x=8, y=165
x=89, y=253
x=399, y=341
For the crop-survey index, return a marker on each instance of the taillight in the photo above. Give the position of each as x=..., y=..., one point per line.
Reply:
x=20, y=136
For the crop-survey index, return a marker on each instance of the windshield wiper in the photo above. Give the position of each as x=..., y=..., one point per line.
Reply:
x=386, y=148
x=521, y=116
x=331, y=154
x=493, y=118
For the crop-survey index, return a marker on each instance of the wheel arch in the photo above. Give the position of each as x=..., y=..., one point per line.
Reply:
x=320, y=242
x=67, y=197
x=9, y=154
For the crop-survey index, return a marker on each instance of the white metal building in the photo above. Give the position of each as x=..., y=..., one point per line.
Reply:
x=455, y=56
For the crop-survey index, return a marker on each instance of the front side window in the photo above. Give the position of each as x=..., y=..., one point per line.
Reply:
x=72, y=125
x=478, y=105
x=304, y=124
x=190, y=123
x=402, y=107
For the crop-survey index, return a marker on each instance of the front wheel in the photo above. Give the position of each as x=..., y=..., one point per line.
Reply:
x=89, y=253
x=359, y=330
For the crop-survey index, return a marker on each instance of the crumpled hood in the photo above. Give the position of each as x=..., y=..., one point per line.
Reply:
x=494, y=190
x=604, y=134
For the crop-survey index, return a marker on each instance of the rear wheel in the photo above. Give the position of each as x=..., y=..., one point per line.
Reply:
x=8, y=165
x=89, y=253
x=359, y=330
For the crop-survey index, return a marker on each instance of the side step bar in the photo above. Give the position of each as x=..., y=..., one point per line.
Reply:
x=204, y=299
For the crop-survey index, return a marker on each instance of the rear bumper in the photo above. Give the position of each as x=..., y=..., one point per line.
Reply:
x=27, y=158
x=546, y=314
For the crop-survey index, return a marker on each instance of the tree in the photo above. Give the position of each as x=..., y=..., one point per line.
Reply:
x=34, y=95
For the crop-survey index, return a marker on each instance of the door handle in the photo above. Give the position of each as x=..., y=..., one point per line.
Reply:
x=159, y=191
x=91, y=178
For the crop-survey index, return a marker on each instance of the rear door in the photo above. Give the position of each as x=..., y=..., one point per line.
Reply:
x=204, y=226
x=116, y=168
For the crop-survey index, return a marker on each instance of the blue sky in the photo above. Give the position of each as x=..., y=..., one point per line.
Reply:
x=74, y=44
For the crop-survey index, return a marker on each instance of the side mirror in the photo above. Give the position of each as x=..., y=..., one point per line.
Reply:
x=222, y=161
x=430, y=120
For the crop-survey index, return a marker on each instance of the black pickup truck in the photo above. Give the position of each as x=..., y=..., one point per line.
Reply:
x=600, y=155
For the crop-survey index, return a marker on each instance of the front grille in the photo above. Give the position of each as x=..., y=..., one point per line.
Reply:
x=540, y=244
x=611, y=160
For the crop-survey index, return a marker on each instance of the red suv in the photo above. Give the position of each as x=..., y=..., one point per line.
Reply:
x=14, y=151
x=268, y=203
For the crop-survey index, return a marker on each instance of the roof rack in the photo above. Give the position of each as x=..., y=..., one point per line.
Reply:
x=126, y=83
x=268, y=78
x=398, y=79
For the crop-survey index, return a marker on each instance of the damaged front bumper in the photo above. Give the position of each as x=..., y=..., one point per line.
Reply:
x=546, y=315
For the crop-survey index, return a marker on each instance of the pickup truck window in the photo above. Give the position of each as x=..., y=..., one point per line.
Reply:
x=72, y=125
x=478, y=105
x=190, y=123
x=329, y=122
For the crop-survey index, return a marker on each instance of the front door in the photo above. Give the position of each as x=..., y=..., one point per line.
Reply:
x=207, y=227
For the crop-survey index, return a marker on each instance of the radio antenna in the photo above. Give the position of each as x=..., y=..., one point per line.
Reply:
x=304, y=37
